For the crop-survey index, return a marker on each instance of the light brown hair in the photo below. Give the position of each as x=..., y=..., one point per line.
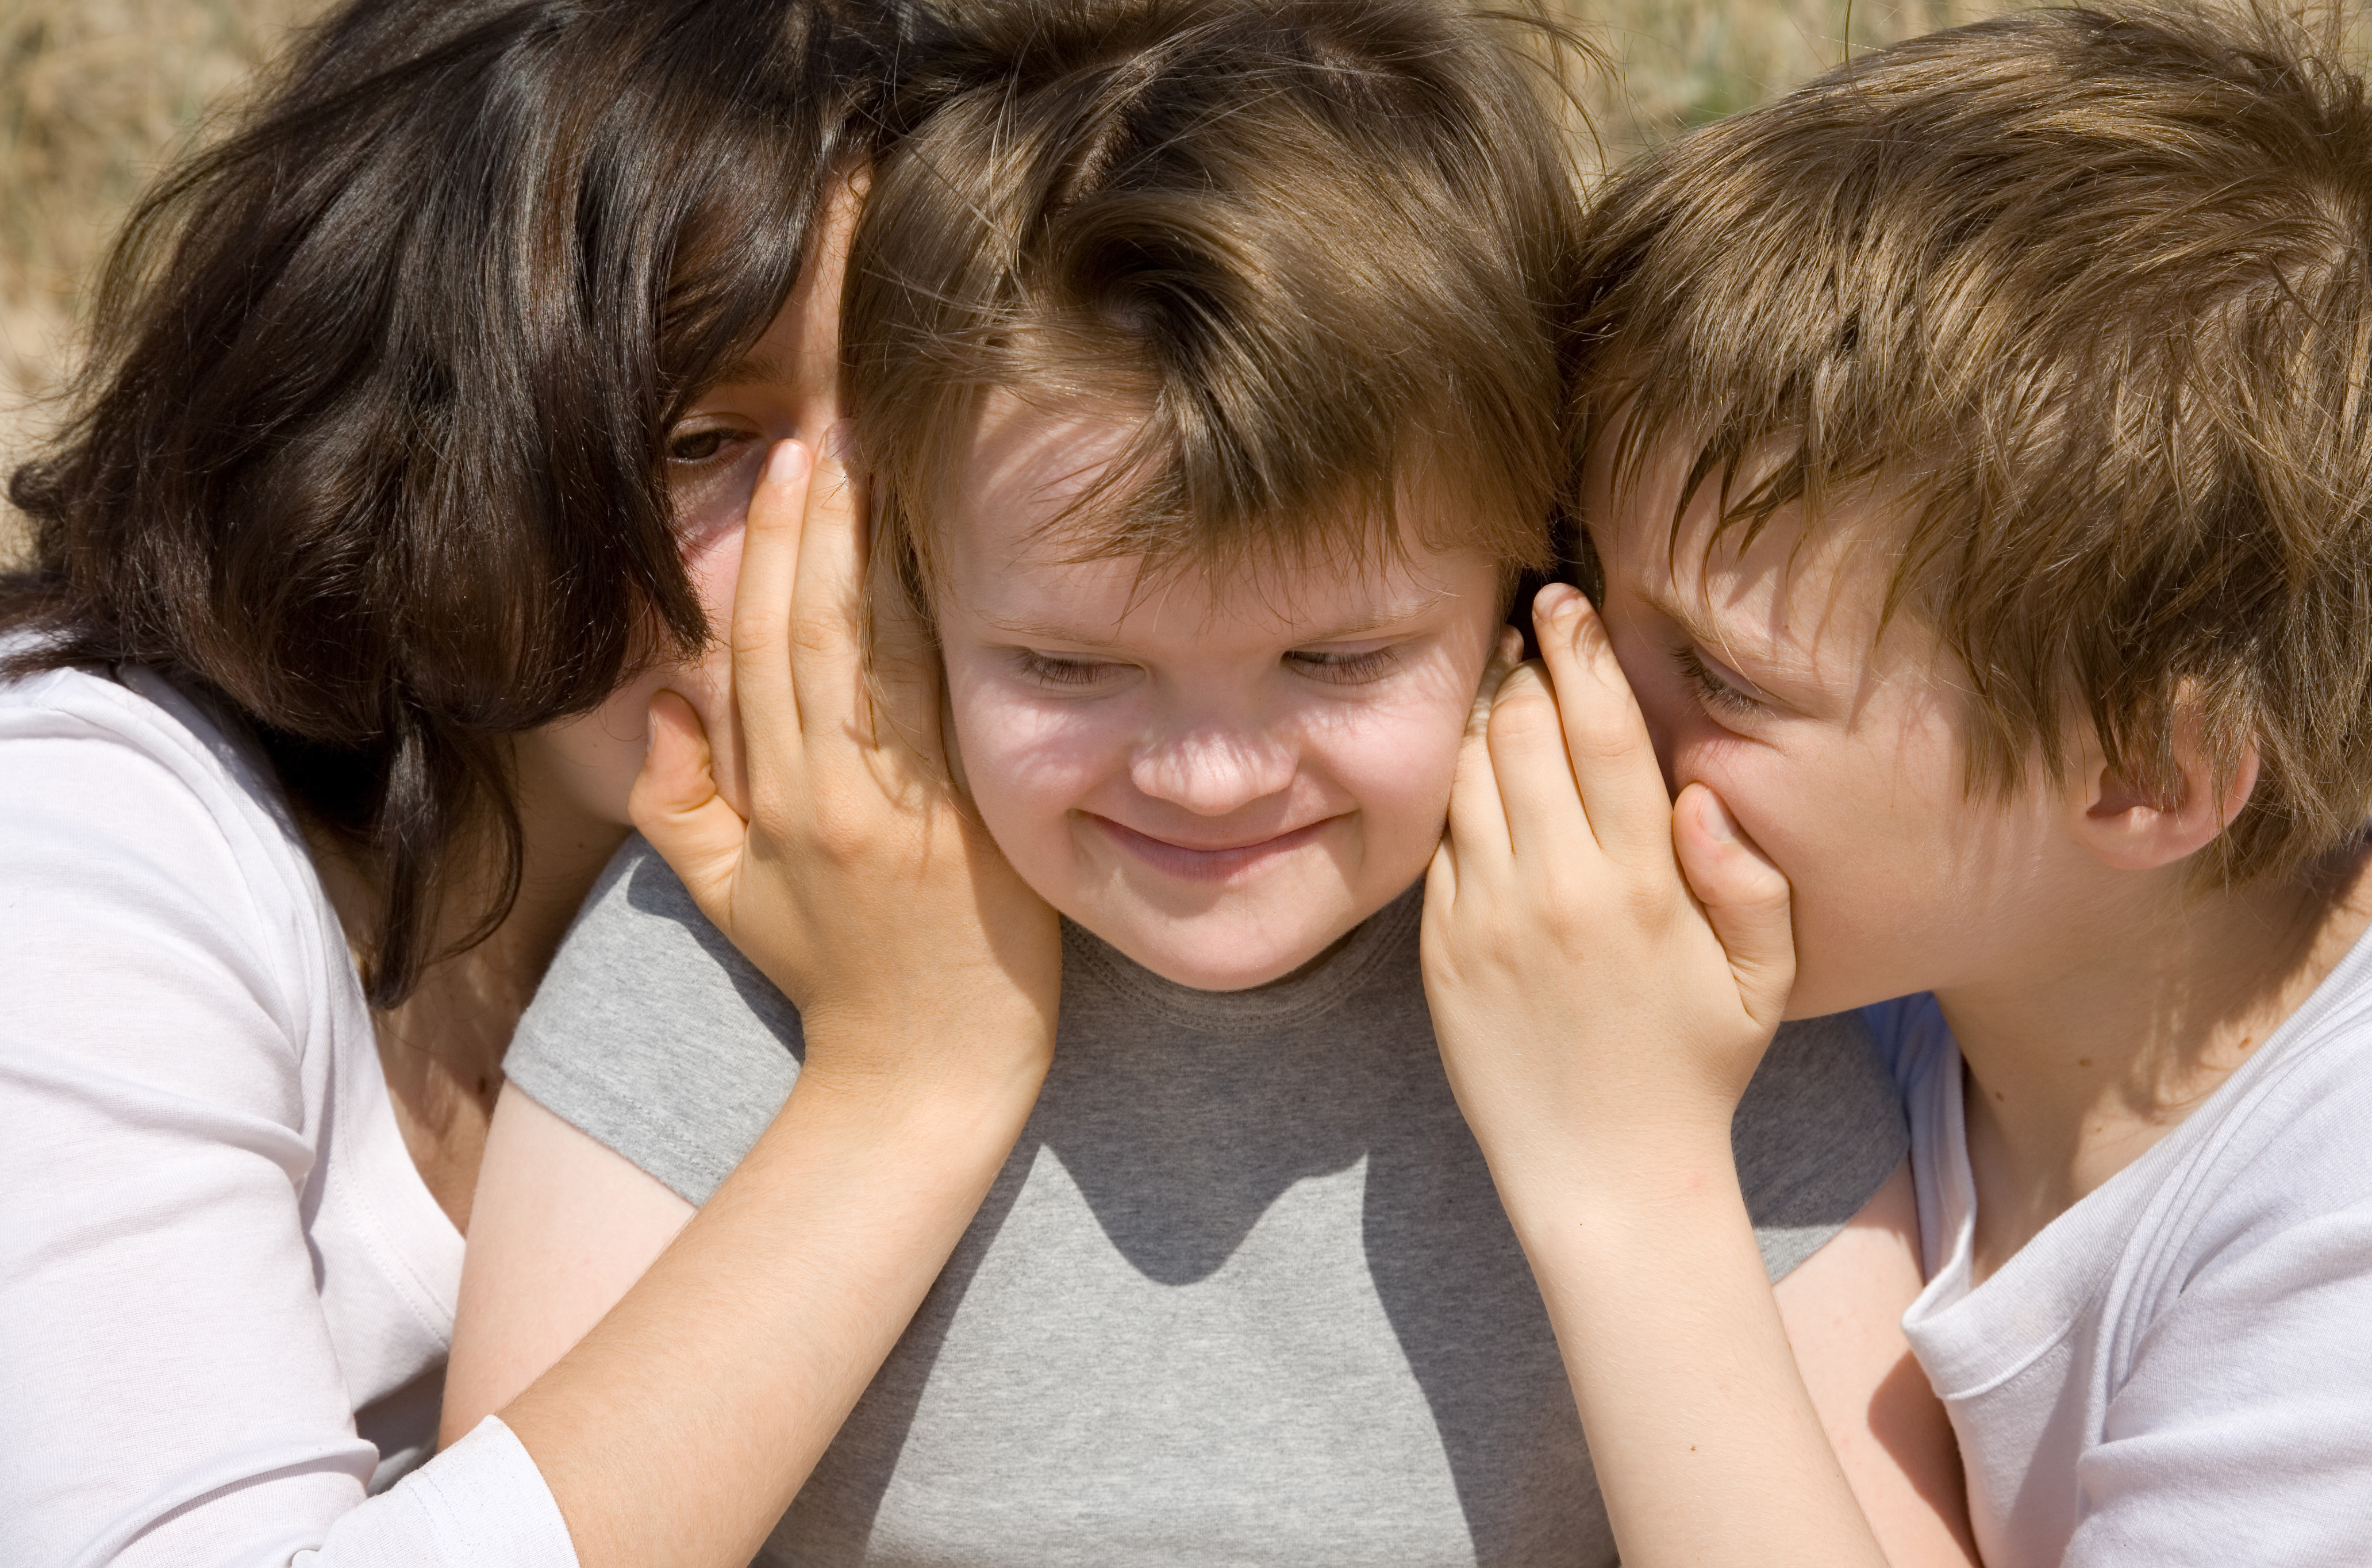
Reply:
x=1323, y=248
x=2096, y=286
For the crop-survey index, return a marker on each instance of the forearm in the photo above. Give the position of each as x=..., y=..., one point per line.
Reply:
x=1707, y=1446
x=680, y=1427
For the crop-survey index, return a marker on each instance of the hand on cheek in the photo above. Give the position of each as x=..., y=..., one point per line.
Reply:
x=858, y=880
x=1594, y=1015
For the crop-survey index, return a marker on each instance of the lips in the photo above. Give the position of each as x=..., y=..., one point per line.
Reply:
x=1207, y=863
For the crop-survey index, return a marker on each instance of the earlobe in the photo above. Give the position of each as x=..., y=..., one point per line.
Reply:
x=2134, y=827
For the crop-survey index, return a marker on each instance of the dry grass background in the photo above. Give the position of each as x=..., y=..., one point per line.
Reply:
x=95, y=94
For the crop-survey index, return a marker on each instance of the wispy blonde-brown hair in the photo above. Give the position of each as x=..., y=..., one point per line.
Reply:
x=2095, y=284
x=1324, y=249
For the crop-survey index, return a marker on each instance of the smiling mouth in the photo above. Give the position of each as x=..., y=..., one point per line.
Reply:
x=1214, y=863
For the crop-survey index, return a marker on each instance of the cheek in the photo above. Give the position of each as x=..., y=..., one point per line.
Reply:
x=1395, y=757
x=712, y=562
x=593, y=759
x=1397, y=752
x=712, y=506
x=1028, y=761
x=1769, y=793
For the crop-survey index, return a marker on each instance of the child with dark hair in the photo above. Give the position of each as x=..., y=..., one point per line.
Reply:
x=421, y=417
x=1979, y=460
x=1211, y=361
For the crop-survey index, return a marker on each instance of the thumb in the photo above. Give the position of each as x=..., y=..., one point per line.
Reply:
x=1746, y=899
x=675, y=804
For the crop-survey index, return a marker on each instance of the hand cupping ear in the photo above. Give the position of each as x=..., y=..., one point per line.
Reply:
x=860, y=868
x=1604, y=972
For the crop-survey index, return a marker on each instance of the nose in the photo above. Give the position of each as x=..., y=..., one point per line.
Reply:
x=1211, y=769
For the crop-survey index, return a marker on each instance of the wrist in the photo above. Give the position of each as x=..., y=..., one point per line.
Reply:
x=1614, y=1192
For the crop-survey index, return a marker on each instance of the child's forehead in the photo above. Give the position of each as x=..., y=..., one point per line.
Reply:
x=1119, y=600
x=1033, y=458
x=1021, y=517
x=1812, y=584
x=1687, y=514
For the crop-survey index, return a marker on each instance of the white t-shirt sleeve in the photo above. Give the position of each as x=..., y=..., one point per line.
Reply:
x=2243, y=1433
x=170, y=1392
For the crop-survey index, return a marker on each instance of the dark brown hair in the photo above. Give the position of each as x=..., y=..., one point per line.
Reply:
x=2095, y=287
x=369, y=449
x=1323, y=247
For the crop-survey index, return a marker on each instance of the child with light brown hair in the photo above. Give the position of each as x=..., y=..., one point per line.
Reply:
x=1212, y=361
x=1981, y=465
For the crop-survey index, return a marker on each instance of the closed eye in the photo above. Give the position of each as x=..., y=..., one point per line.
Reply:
x=1053, y=669
x=1715, y=687
x=1345, y=670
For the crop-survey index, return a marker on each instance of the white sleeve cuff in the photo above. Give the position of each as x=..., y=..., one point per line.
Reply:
x=481, y=1504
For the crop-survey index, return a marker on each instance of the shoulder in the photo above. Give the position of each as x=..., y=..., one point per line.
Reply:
x=2286, y=1146
x=1820, y=1128
x=129, y=757
x=153, y=870
x=652, y=1033
x=2233, y=1321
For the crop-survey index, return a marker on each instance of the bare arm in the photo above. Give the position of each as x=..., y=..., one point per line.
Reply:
x=680, y=1426
x=1842, y=1308
x=563, y=1227
x=1600, y=1024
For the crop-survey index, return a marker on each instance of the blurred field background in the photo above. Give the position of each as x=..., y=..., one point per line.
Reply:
x=95, y=95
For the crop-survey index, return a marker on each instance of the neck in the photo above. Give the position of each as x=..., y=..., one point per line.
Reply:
x=442, y=1046
x=2075, y=1068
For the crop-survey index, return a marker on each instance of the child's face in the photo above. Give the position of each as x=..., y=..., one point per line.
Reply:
x=1839, y=752
x=1219, y=776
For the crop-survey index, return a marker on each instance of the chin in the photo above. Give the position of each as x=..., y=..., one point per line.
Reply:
x=1218, y=959
x=1822, y=988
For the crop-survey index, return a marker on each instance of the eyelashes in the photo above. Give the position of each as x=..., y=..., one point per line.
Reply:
x=700, y=447
x=1339, y=669
x=1714, y=691
x=1054, y=672
x=1346, y=669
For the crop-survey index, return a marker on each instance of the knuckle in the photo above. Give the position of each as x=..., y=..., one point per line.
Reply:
x=1525, y=723
x=815, y=634
x=1603, y=736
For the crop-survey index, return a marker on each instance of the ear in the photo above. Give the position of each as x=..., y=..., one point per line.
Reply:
x=2132, y=828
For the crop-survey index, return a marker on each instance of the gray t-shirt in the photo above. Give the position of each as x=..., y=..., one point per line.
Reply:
x=1243, y=1294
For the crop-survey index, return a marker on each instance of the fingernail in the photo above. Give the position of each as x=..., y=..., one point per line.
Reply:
x=840, y=442
x=1558, y=600
x=788, y=462
x=1714, y=818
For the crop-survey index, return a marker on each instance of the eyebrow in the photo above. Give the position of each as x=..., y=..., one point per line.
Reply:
x=750, y=369
x=1706, y=634
x=1687, y=617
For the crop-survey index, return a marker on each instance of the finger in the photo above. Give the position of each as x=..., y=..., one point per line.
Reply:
x=1606, y=738
x=1746, y=899
x=827, y=645
x=676, y=806
x=1536, y=785
x=762, y=695
x=1441, y=882
x=1478, y=823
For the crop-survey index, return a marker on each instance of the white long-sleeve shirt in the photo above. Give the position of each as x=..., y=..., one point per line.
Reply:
x=2178, y=1370
x=225, y=1295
